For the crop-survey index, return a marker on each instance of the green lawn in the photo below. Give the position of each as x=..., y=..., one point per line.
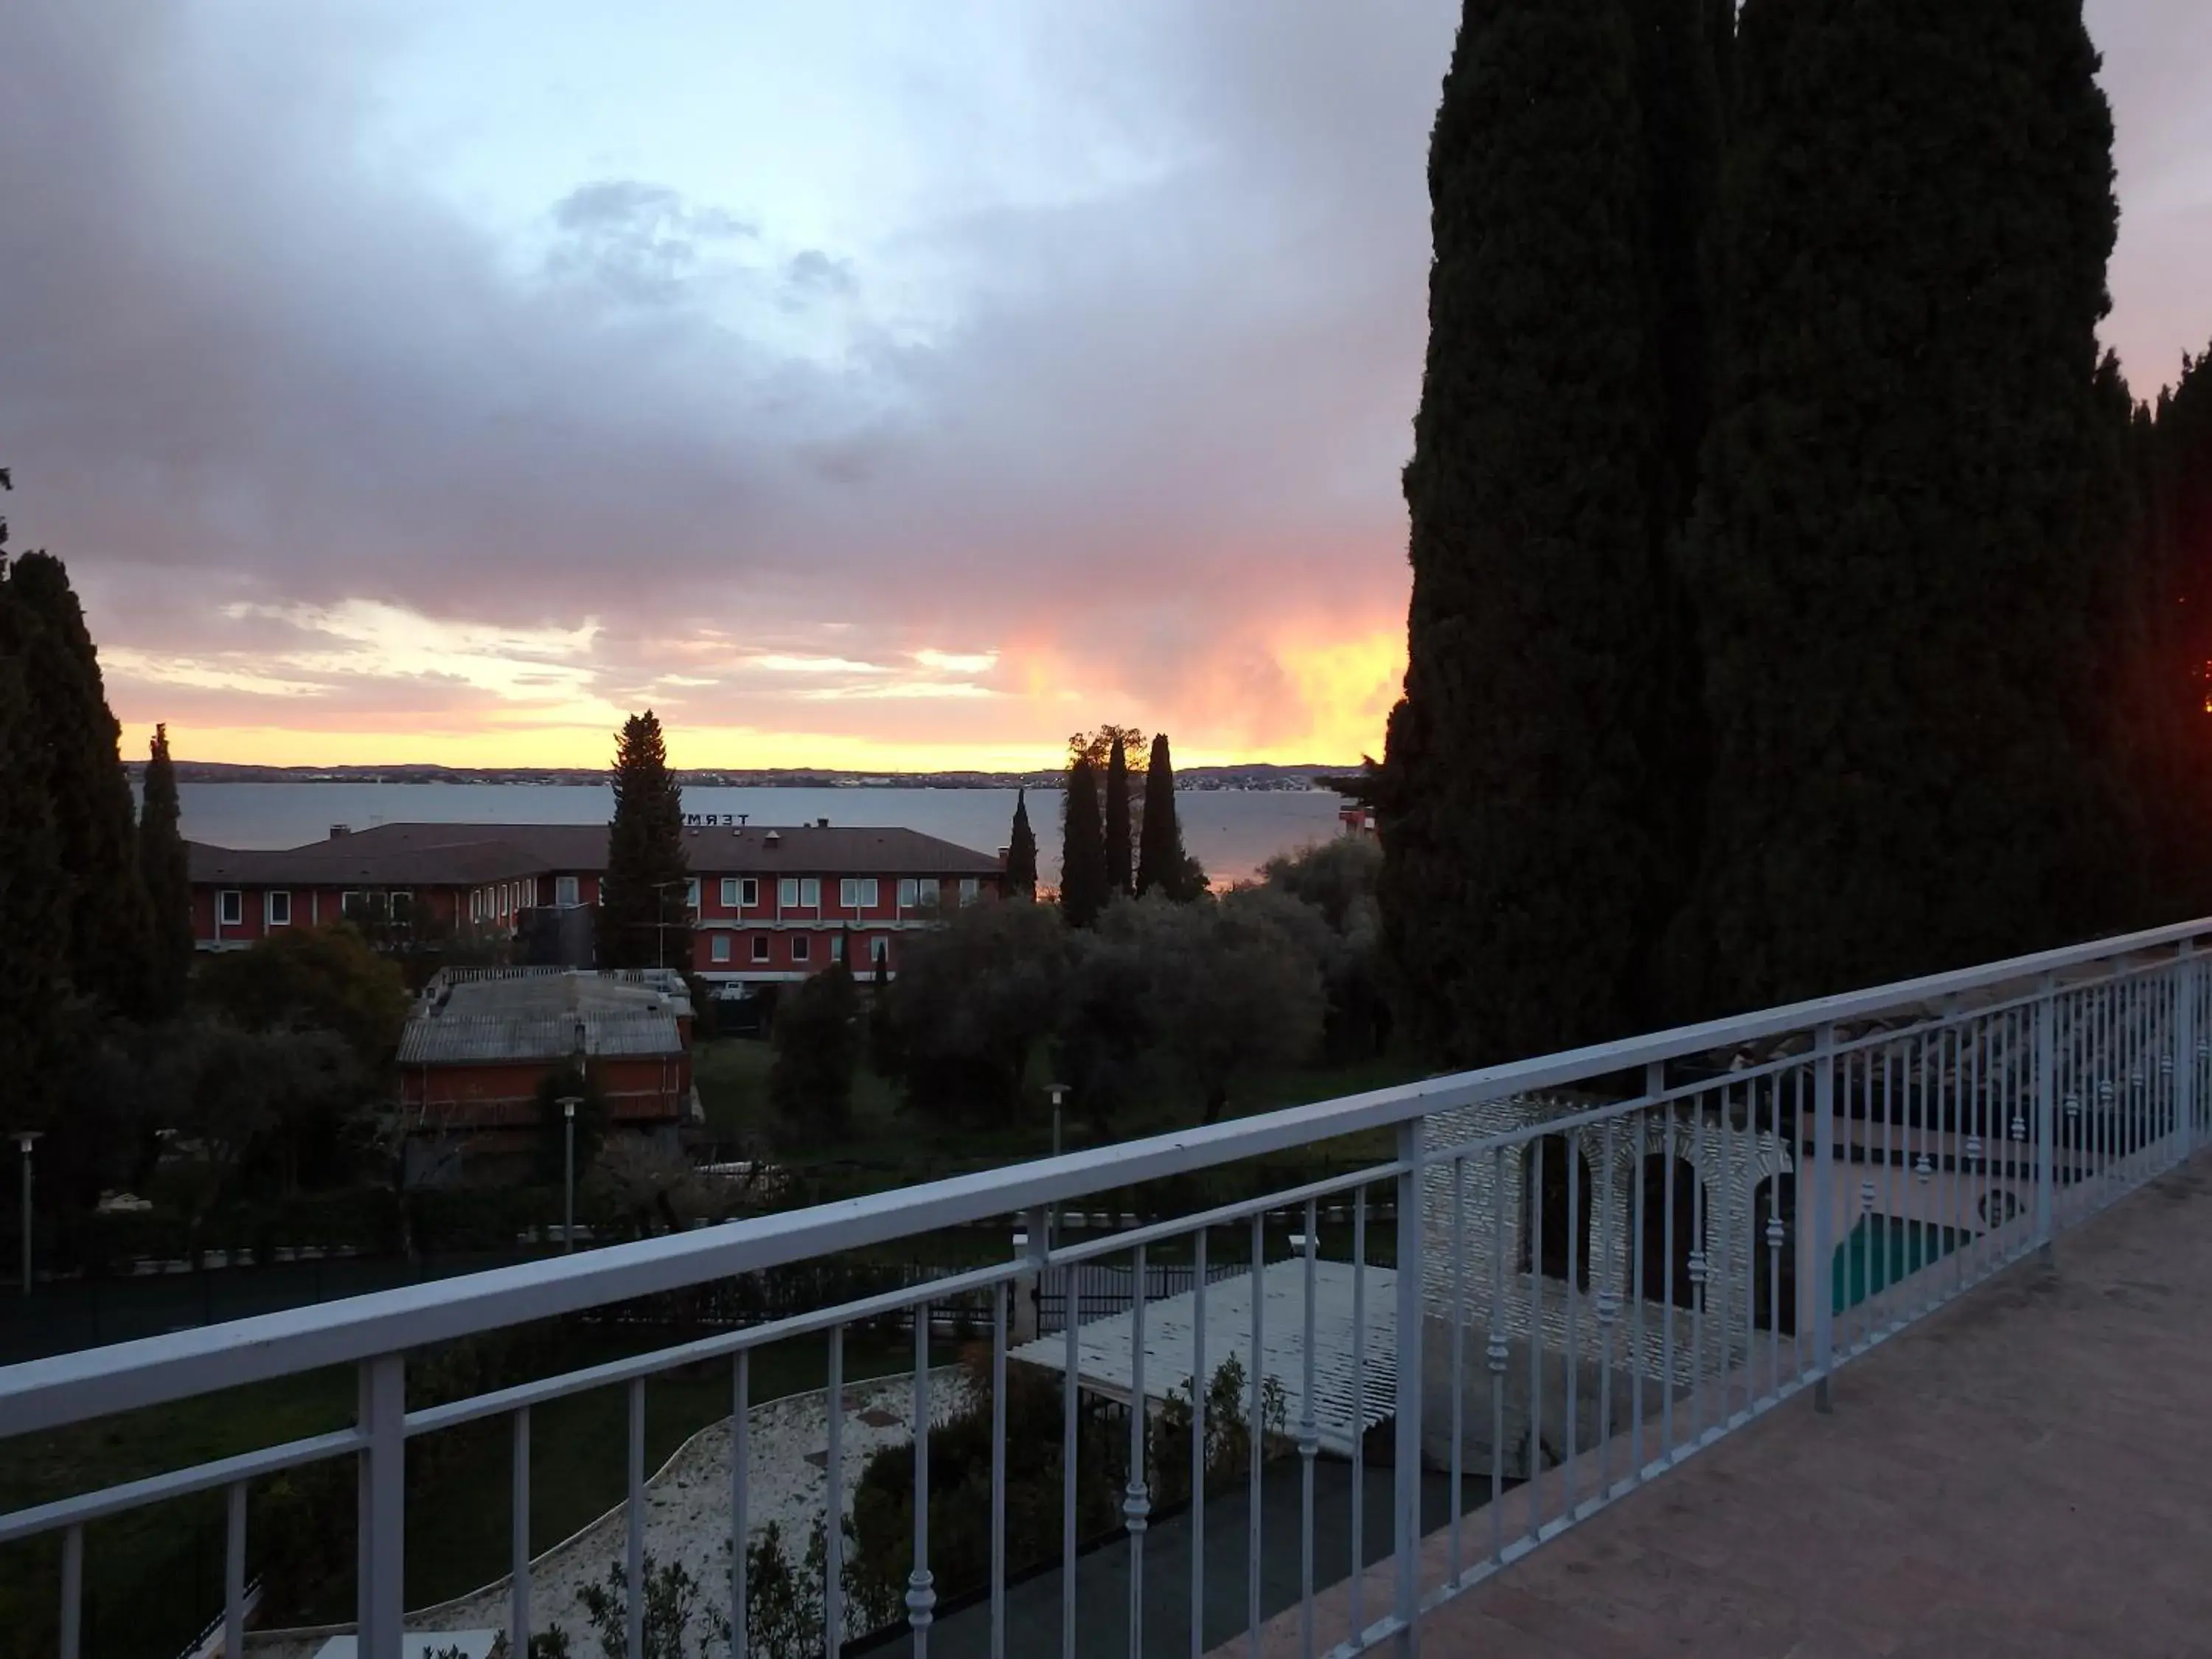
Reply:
x=153, y=1578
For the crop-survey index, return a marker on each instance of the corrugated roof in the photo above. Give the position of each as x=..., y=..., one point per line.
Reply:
x=465, y=1039
x=470, y=854
x=486, y=1017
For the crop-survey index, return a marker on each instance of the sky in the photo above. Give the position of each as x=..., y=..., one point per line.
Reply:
x=871, y=385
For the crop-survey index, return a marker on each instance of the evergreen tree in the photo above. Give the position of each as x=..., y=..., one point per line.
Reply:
x=817, y=1041
x=644, y=920
x=164, y=869
x=1889, y=553
x=96, y=835
x=1082, y=885
x=1162, y=867
x=1117, y=817
x=1522, y=804
x=1022, y=850
x=33, y=891
x=2170, y=468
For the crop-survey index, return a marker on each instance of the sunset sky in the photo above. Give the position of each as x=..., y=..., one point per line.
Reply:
x=876, y=386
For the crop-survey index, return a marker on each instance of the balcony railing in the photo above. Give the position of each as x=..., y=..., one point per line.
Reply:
x=1599, y=1262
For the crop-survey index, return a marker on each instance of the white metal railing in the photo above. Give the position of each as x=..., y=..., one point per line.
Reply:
x=1625, y=1231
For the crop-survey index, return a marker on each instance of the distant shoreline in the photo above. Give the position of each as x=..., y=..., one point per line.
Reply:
x=1253, y=776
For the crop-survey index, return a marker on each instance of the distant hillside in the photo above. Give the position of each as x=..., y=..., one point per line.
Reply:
x=1249, y=777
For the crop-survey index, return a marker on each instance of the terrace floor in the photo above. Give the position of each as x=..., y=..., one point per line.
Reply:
x=2026, y=1472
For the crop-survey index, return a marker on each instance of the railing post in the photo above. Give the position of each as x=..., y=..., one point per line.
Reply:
x=2046, y=1114
x=1407, y=1497
x=2185, y=1050
x=1824, y=1215
x=379, y=1605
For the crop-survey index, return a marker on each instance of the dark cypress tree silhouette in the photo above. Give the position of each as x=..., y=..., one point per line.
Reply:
x=1083, y=887
x=1162, y=867
x=644, y=920
x=1022, y=850
x=2155, y=467
x=95, y=831
x=1524, y=799
x=1890, y=552
x=164, y=870
x=33, y=889
x=1118, y=848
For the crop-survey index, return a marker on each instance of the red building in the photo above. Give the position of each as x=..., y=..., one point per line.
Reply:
x=480, y=1043
x=766, y=905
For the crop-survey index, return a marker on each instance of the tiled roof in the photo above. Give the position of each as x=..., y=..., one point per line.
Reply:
x=470, y=854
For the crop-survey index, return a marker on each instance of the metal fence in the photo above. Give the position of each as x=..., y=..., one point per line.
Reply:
x=1601, y=1262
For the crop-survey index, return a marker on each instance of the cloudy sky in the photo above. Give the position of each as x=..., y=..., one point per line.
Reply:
x=856, y=384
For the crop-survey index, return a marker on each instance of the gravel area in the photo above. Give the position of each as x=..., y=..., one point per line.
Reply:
x=688, y=1505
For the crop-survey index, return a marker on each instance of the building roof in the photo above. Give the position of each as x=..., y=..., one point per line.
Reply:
x=471, y=854
x=488, y=1016
x=1105, y=1354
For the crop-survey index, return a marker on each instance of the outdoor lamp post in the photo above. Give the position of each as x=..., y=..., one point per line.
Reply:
x=24, y=1140
x=569, y=1104
x=1058, y=1092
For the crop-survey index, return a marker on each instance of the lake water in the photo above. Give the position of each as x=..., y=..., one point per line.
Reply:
x=1231, y=832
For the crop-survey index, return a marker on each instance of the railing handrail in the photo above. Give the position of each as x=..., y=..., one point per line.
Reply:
x=51, y=1393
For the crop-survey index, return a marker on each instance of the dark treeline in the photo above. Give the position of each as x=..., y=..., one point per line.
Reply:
x=1801, y=601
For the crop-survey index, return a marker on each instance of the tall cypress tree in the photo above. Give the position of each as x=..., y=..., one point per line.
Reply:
x=1520, y=800
x=1162, y=867
x=95, y=830
x=2170, y=456
x=164, y=869
x=643, y=920
x=1021, y=851
x=33, y=889
x=1083, y=887
x=1889, y=553
x=1118, y=849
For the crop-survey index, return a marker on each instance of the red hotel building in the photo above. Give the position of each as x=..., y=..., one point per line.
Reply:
x=766, y=905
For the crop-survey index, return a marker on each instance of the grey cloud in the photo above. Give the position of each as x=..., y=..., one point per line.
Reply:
x=638, y=242
x=237, y=364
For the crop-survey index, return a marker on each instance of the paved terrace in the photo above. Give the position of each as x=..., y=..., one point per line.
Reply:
x=2026, y=1472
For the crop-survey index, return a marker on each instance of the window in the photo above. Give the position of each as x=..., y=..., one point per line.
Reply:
x=475, y=904
x=691, y=894
x=857, y=893
x=564, y=892
x=720, y=948
x=906, y=888
x=729, y=892
x=810, y=892
x=802, y=948
x=760, y=947
x=402, y=906
x=232, y=910
x=879, y=950
x=280, y=908
x=868, y=892
x=350, y=905
x=968, y=889
x=836, y=947
x=749, y=892
x=926, y=892
x=787, y=893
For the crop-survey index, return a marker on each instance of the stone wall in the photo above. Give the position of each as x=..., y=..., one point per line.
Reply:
x=1610, y=1323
